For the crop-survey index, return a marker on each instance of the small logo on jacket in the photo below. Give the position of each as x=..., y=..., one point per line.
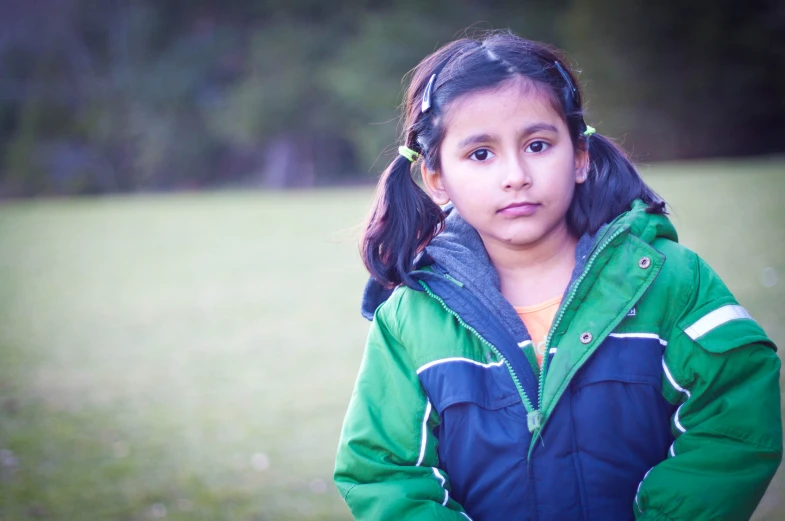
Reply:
x=632, y=313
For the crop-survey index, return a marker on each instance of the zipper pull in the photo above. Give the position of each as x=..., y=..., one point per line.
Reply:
x=534, y=420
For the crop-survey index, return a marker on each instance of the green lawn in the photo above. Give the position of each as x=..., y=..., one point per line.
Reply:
x=192, y=356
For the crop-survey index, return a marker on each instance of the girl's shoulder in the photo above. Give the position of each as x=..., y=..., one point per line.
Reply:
x=681, y=264
x=688, y=277
x=410, y=309
x=699, y=305
x=423, y=327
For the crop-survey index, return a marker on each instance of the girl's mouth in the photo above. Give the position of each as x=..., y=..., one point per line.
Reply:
x=519, y=209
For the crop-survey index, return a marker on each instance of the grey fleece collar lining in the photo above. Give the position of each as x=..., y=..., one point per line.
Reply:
x=460, y=251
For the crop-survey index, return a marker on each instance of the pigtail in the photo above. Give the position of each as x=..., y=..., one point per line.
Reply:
x=402, y=222
x=611, y=185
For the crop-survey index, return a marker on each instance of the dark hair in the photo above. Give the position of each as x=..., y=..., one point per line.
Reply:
x=404, y=219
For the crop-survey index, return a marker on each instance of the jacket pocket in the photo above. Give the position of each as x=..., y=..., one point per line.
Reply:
x=633, y=360
x=620, y=420
x=460, y=380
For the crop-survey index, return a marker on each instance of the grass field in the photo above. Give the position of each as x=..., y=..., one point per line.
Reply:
x=191, y=356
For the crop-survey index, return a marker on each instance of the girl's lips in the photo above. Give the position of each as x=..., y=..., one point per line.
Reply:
x=519, y=209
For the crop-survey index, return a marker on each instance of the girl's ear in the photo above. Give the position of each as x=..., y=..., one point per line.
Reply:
x=434, y=185
x=581, y=165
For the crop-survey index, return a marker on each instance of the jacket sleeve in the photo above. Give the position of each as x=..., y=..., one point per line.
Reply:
x=386, y=466
x=723, y=373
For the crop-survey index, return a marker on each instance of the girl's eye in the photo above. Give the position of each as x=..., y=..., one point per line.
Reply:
x=482, y=154
x=537, y=146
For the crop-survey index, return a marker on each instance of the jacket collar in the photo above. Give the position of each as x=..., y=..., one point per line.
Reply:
x=459, y=250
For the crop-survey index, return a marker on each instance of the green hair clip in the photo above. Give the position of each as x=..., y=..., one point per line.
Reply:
x=408, y=153
x=589, y=131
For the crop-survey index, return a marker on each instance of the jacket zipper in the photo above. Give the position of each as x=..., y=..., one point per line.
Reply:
x=535, y=417
x=566, y=304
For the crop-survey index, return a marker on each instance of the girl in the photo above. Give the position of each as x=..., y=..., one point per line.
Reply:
x=550, y=352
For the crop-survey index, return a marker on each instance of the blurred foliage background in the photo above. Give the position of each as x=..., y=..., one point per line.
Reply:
x=107, y=96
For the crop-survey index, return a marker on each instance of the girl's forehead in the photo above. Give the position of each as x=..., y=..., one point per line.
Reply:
x=514, y=99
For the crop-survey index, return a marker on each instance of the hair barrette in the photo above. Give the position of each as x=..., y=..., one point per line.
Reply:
x=426, y=95
x=567, y=80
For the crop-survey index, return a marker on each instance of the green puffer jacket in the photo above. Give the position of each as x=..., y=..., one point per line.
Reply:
x=659, y=398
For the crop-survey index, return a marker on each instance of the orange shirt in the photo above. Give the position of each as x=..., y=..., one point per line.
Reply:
x=538, y=320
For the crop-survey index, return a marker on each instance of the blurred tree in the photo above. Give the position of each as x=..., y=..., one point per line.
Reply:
x=684, y=79
x=108, y=96
x=108, y=100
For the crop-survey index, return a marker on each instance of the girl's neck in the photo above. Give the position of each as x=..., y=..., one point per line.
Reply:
x=535, y=273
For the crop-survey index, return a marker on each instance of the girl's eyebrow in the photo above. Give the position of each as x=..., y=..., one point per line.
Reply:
x=476, y=140
x=538, y=127
x=484, y=138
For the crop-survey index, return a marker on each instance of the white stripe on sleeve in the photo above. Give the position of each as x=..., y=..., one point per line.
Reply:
x=715, y=319
x=676, y=419
x=424, y=440
x=443, y=481
x=681, y=390
x=638, y=490
x=672, y=381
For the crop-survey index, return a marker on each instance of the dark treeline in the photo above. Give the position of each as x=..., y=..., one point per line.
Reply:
x=105, y=96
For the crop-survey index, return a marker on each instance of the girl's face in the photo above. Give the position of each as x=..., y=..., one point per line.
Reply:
x=508, y=165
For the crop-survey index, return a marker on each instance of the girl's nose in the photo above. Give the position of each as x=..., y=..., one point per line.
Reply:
x=516, y=176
